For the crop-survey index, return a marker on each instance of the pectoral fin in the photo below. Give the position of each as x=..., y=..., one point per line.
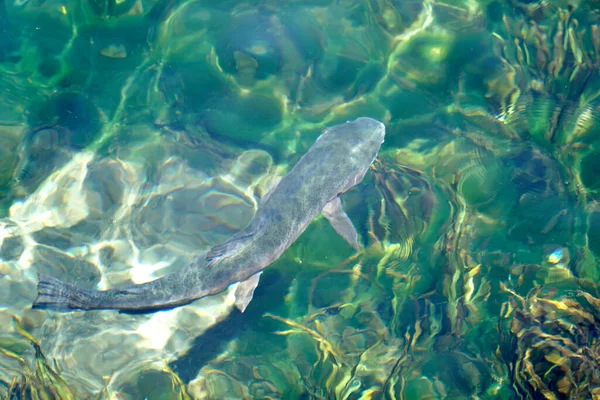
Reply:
x=335, y=214
x=245, y=291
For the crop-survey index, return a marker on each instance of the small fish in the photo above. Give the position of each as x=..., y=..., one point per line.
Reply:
x=337, y=161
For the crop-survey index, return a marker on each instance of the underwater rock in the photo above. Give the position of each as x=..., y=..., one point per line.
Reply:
x=428, y=49
x=9, y=159
x=588, y=169
x=251, y=47
x=76, y=116
x=242, y=116
x=45, y=151
x=148, y=380
x=593, y=232
x=102, y=222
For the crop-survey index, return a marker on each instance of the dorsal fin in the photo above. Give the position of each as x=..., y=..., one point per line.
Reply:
x=235, y=244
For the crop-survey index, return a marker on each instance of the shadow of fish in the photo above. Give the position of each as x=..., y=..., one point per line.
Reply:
x=337, y=161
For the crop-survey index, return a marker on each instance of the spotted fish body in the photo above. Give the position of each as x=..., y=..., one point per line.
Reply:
x=337, y=161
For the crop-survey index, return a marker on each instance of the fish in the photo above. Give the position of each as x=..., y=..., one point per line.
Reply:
x=337, y=161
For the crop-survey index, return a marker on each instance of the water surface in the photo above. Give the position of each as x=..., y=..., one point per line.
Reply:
x=135, y=135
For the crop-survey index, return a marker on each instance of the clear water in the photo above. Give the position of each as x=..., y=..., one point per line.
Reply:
x=135, y=135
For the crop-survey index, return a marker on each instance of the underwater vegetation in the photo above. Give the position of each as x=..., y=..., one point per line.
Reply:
x=40, y=382
x=44, y=381
x=554, y=351
x=136, y=134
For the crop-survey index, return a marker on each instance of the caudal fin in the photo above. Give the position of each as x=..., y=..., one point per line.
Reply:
x=55, y=294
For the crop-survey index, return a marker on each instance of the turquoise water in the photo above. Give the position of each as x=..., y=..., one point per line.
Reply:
x=136, y=135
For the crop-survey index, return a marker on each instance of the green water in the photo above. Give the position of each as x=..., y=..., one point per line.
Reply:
x=135, y=135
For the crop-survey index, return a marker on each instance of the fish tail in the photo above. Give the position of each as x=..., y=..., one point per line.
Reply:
x=55, y=294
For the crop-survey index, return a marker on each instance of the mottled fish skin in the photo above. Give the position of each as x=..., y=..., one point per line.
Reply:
x=337, y=161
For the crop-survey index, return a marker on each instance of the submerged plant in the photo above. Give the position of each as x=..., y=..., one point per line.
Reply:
x=41, y=382
x=555, y=345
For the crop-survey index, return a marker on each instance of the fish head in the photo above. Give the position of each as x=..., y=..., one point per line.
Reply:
x=357, y=144
x=371, y=131
x=361, y=134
